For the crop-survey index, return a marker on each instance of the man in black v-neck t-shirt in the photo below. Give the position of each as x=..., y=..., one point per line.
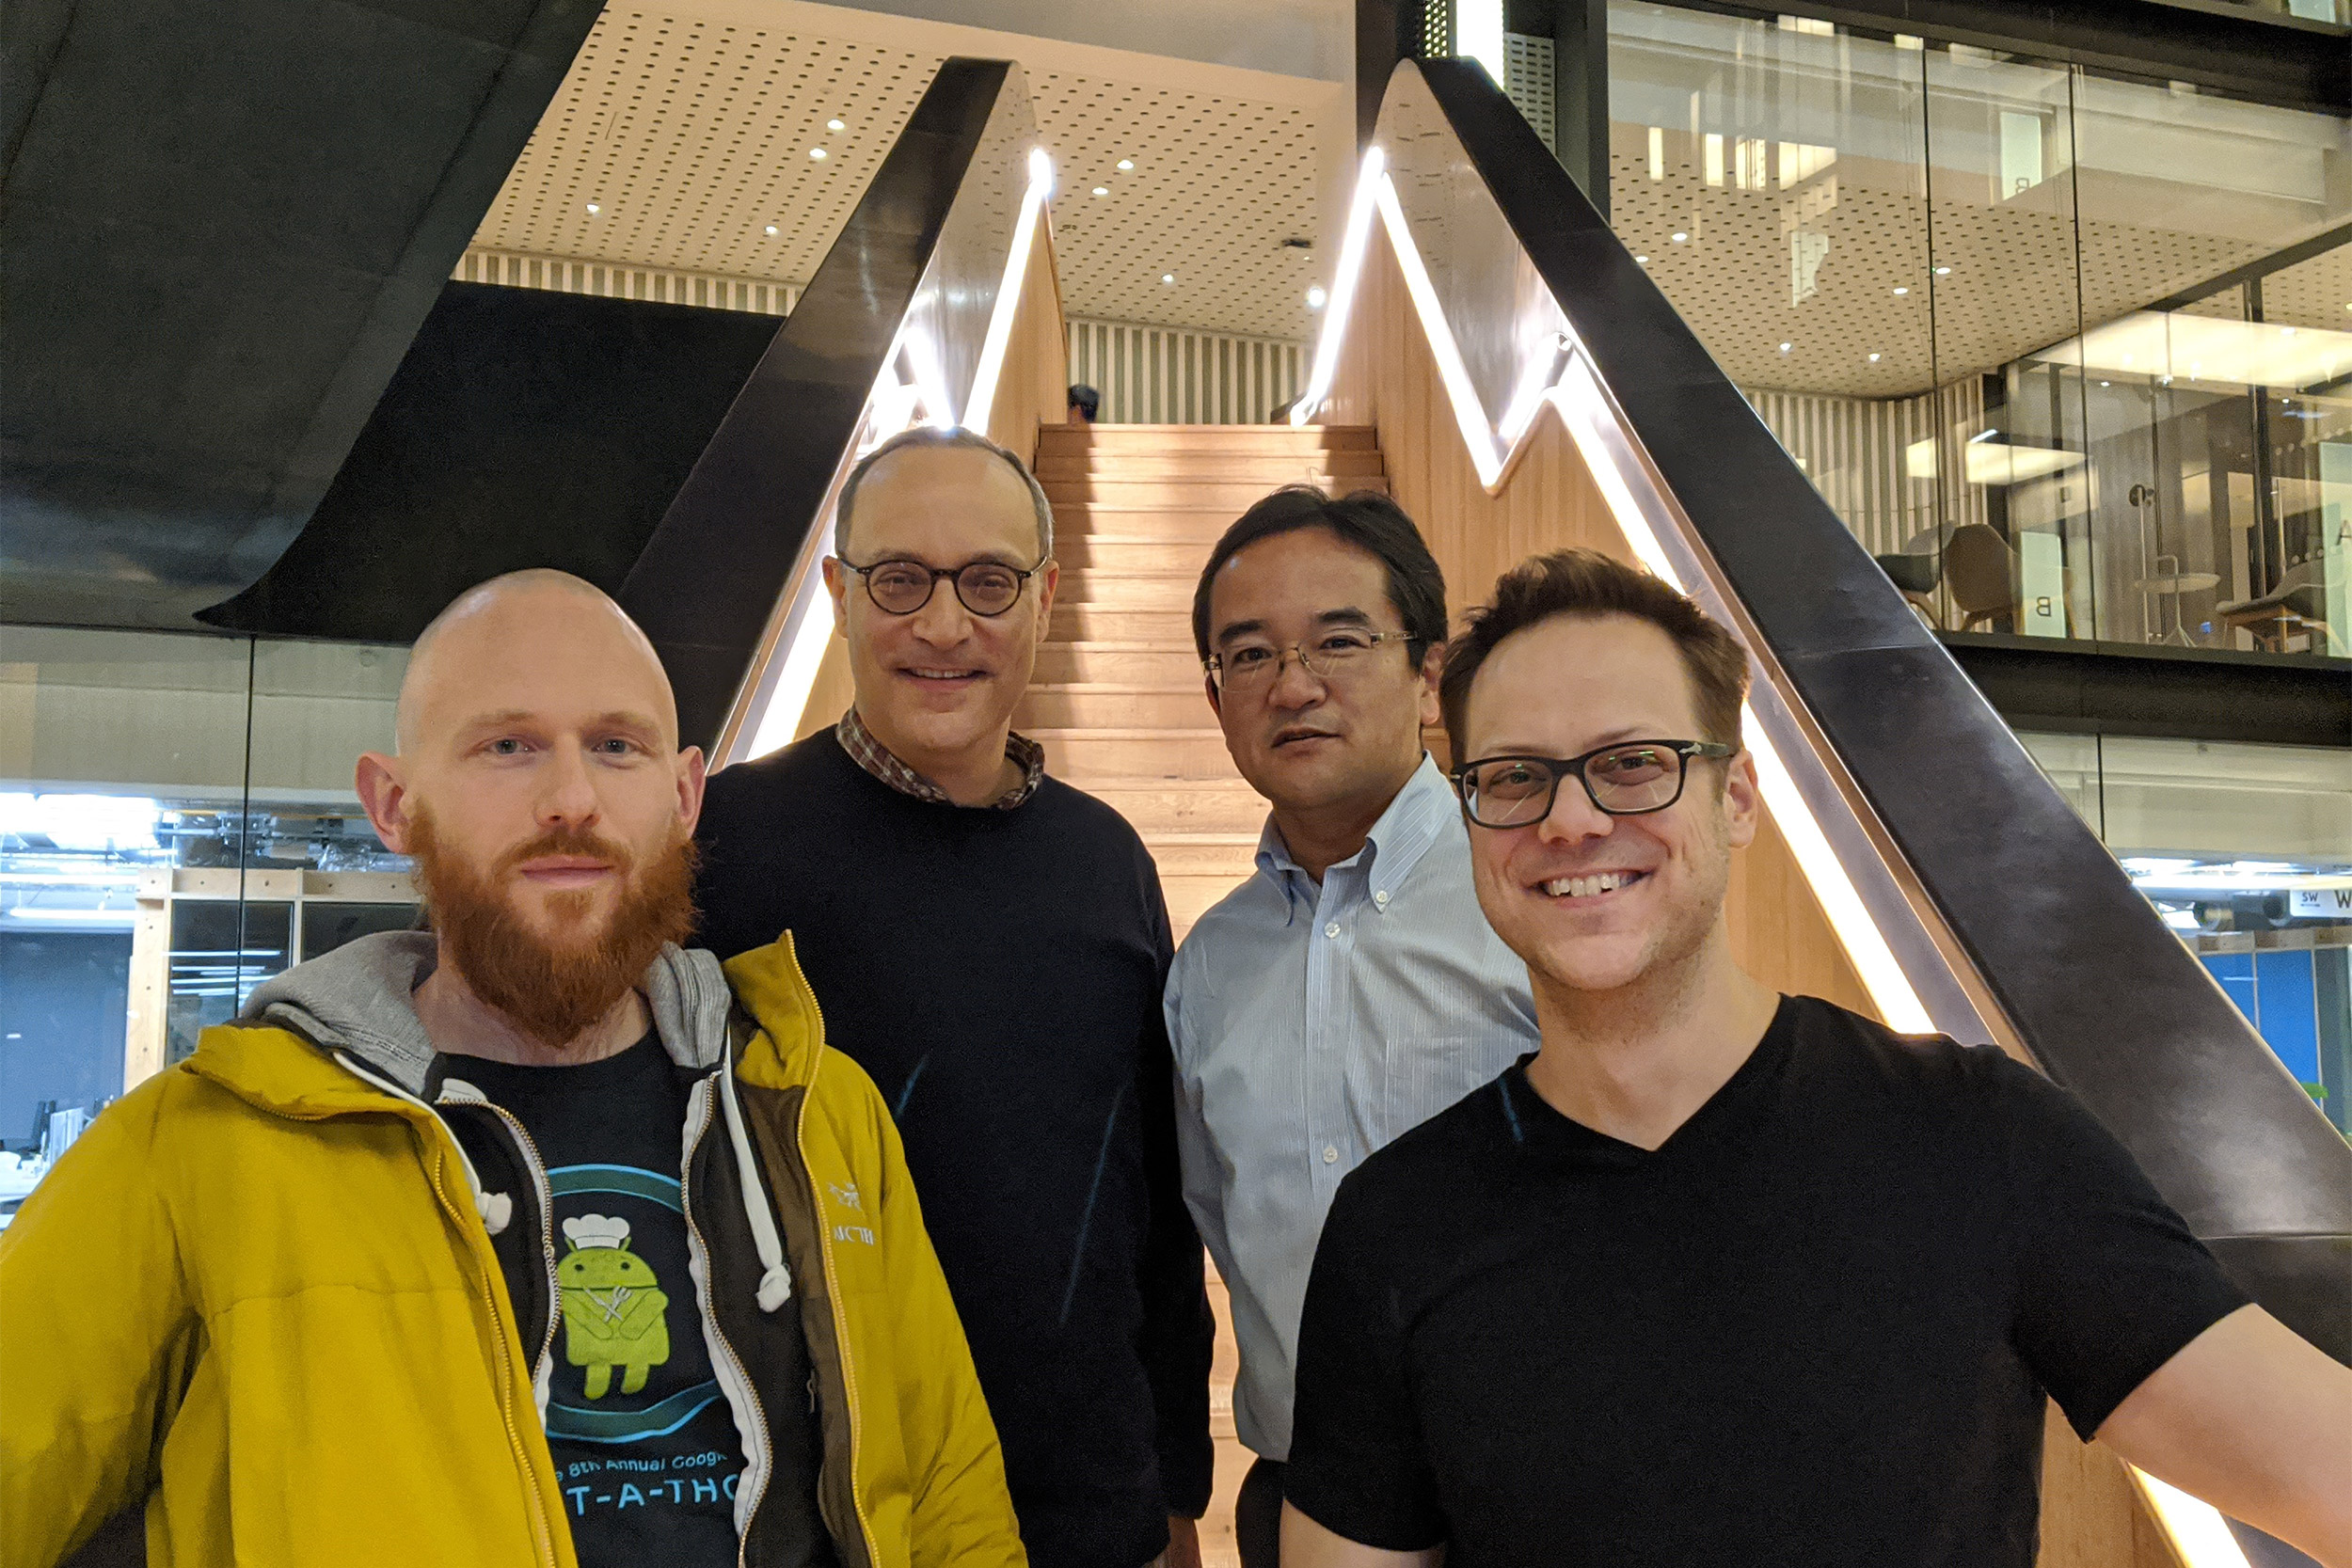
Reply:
x=1724, y=1277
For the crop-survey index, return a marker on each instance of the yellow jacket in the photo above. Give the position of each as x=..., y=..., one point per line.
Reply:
x=259, y=1295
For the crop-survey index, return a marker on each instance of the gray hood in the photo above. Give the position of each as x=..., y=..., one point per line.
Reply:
x=356, y=999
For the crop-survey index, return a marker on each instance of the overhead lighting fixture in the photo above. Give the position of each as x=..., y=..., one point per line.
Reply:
x=835, y=125
x=1901, y=291
x=773, y=230
x=1167, y=277
x=1102, y=190
x=1478, y=35
x=1125, y=164
x=1642, y=260
x=1786, y=347
x=1874, y=360
x=2208, y=348
x=1679, y=236
x=1316, y=299
x=818, y=154
x=1943, y=272
x=594, y=208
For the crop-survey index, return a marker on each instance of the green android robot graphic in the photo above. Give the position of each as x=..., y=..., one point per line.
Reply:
x=615, y=1309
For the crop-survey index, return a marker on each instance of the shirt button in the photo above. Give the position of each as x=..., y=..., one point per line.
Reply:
x=1381, y=899
x=1330, y=1155
x=1332, y=929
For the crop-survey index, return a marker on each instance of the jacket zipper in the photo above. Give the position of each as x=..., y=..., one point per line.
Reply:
x=444, y=1144
x=537, y=1166
x=763, y=1459
x=824, y=1250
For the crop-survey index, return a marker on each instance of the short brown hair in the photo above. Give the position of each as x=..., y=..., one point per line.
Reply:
x=1586, y=583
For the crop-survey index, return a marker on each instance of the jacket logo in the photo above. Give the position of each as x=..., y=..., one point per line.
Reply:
x=853, y=1233
x=848, y=1197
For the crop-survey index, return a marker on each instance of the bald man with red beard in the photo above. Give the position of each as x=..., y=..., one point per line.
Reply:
x=532, y=1238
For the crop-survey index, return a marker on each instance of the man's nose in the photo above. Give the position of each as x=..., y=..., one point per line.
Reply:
x=943, y=622
x=1295, y=685
x=1573, y=817
x=568, y=796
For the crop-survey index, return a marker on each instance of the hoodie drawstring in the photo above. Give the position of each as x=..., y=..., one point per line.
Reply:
x=775, y=1278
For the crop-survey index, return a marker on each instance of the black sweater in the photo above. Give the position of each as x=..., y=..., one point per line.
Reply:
x=998, y=974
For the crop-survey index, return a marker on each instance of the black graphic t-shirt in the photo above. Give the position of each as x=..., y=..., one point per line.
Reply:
x=644, y=1442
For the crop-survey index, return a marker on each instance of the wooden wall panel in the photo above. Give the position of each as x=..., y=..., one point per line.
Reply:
x=2091, y=1514
x=1388, y=379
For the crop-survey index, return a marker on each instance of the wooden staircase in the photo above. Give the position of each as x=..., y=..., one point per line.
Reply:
x=1117, y=699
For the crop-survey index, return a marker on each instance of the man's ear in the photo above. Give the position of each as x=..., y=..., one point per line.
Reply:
x=1048, y=582
x=385, y=795
x=1217, y=703
x=1432, y=665
x=836, y=588
x=693, y=772
x=1743, y=799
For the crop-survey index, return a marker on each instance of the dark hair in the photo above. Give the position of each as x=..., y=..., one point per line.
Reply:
x=1086, y=400
x=1366, y=519
x=1586, y=583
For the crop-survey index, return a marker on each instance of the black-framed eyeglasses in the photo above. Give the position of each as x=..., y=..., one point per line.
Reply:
x=987, y=588
x=1332, y=657
x=1627, y=779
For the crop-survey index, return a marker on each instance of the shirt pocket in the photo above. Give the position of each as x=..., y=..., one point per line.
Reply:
x=1430, y=1073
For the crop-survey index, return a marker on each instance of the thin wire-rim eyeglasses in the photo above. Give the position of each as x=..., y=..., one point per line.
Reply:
x=1465, y=780
x=970, y=569
x=1334, y=660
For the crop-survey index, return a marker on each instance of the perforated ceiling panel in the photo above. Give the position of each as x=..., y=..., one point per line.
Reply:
x=692, y=138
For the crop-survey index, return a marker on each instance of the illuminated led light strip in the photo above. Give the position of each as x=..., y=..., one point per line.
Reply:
x=2197, y=1531
x=999, y=338
x=810, y=625
x=1584, y=411
x=1353, y=245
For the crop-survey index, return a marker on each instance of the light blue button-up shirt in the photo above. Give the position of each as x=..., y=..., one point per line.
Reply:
x=1313, y=1024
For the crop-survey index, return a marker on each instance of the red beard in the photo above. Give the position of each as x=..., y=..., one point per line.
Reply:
x=552, y=986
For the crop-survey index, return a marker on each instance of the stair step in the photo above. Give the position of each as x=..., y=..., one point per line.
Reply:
x=1078, y=706
x=1230, y=855
x=1138, y=590
x=1112, y=552
x=1128, y=664
x=1060, y=440
x=1182, y=495
x=1157, y=806
x=1201, y=526
x=1078, y=754
x=1318, y=468
x=1169, y=628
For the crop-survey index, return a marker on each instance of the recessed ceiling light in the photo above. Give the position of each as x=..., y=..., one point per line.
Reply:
x=1943, y=272
x=594, y=208
x=835, y=125
x=2286, y=332
x=1642, y=260
x=772, y=230
x=2103, y=383
x=1874, y=360
x=1679, y=236
x=1786, y=347
x=1902, y=290
x=1102, y=190
x=818, y=154
x=1125, y=164
x=1316, y=299
x=1167, y=277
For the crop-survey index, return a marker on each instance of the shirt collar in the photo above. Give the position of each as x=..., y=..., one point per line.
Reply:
x=877, y=759
x=1416, y=814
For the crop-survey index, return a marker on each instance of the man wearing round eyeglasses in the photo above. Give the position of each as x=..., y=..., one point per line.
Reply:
x=991, y=946
x=1349, y=989
x=1725, y=1277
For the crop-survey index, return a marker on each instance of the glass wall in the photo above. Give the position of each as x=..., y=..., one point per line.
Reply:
x=2246, y=852
x=177, y=823
x=2056, y=347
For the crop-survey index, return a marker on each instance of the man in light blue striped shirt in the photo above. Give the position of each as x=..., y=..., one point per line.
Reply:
x=1351, y=988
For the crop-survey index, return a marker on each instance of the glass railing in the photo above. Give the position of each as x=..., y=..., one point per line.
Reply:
x=2071, y=355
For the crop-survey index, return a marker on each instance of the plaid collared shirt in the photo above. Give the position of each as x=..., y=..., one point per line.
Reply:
x=875, y=758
